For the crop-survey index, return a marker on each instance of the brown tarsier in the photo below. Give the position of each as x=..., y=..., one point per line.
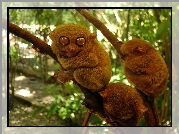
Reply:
x=144, y=67
x=81, y=56
x=118, y=104
x=122, y=104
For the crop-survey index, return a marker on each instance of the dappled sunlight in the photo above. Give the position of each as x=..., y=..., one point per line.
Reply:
x=20, y=78
x=51, y=73
x=168, y=123
x=115, y=78
x=36, y=67
x=126, y=82
x=117, y=16
x=48, y=99
x=28, y=109
x=76, y=94
x=15, y=121
x=24, y=92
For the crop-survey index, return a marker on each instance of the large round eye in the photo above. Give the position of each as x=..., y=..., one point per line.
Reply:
x=80, y=41
x=64, y=40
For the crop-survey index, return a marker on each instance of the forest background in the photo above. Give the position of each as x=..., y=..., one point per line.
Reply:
x=153, y=25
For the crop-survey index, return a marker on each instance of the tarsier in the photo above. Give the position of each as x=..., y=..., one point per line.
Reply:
x=122, y=104
x=82, y=58
x=85, y=61
x=144, y=67
x=118, y=104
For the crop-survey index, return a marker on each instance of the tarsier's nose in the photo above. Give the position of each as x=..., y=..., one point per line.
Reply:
x=71, y=52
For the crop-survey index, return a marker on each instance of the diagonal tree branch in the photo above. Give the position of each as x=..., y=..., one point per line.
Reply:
x=104, y=30
x=38, y=44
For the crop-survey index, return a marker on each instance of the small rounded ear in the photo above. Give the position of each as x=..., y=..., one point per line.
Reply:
x=138, y=51
x=92, y=36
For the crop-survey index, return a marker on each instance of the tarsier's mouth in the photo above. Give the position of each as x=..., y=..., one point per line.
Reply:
x=70, y=54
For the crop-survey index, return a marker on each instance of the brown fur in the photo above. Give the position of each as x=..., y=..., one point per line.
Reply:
x=123, y=104
x=144, y=67
x=88, y=65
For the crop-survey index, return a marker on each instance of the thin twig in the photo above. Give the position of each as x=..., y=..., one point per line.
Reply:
x=87, y=117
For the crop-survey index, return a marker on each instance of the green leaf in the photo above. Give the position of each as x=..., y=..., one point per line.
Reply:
x=52, y=110
x=38, y=110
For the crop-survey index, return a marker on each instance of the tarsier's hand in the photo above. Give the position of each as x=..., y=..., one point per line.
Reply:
x=64, y=76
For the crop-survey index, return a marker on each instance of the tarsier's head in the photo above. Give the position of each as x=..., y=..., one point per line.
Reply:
x=134, y=49
x=70, y=39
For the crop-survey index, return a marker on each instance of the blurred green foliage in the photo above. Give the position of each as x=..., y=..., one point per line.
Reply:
x=68, y=103
x=153, y=25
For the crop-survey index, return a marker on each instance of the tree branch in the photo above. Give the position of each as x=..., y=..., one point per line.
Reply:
x=88, y=115
x=151, y=116
x=38, y=44
x=157, y=16
x=104, y=30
